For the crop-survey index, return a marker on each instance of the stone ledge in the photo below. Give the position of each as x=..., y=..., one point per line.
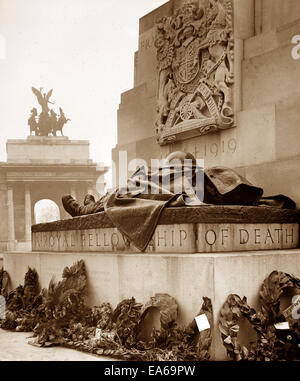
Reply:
x=206, y=214
x=273, y=39
x=176, y=238
x=47, y=140
x=124, y=254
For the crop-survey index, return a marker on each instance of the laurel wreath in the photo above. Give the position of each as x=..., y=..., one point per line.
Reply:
x=270, y=293
x=119, y=328
x=232, y=311
x=267, y=346
x=58, y=316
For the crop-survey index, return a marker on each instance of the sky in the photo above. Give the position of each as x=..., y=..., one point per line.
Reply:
x=83, y=49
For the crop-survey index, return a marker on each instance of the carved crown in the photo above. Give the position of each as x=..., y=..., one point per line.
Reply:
x=189, y=10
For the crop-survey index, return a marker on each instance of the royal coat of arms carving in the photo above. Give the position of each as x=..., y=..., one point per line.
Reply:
x=195, y=70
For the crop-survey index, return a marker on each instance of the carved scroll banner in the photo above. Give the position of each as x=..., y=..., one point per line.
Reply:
x=195, y=70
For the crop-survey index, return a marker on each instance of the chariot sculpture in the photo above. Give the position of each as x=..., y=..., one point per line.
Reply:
x=48, y=121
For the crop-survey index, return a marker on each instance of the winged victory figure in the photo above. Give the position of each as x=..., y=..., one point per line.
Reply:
x=43, y=99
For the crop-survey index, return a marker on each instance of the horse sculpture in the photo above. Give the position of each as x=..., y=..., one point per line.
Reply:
x=60, y=123
x=32, y=123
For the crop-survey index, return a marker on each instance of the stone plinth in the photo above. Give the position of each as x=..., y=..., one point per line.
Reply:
x=206, y=251
x=50, y=149
x=203, y=229
x=113, y=277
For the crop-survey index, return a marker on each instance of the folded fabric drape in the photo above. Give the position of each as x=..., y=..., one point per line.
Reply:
x=136, y=208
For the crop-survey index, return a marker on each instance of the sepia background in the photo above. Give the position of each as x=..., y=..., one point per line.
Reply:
x=84, y=50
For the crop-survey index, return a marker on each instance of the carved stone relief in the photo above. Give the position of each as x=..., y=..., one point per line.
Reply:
x=195, y=70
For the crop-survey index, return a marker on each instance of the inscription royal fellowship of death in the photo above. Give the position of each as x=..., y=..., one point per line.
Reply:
x=184, y=238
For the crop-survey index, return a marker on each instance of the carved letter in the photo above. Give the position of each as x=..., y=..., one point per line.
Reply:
x=163, y=238
x=114, y=239
x=269, y=235
x=45, y=239
x=97, y=240
x=151, y=246
x=278, y=234
x=105, y=243
x=183, y=236
x=257, y=236
x=172, y=232
x=291, y=235
x=83, y=239
x=213, y=241
x=58, y=238
x=66, y=240
x=223, y=235
x=90, y=240
x=243, y=239
x=51, y=241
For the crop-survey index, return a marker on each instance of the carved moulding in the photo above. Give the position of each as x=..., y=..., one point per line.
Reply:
x=195, y=70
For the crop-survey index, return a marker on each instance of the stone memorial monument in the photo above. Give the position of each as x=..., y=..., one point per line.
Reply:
x=214, y=78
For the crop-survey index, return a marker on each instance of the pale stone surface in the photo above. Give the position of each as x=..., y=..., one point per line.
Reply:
x=188, y=278
x=48, y=149
x=261, y=44
x=269, y=77
x=146, y=58
x=277, y=177
x=243, y=18
x=236, y=147
x=14, y=347
x=142, y=105
x=287, y=129
x=238, y=59
x=255, y=136
x=276, y=13
x=240, y=146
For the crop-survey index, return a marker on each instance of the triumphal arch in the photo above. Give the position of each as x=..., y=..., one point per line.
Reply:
x=43, y=166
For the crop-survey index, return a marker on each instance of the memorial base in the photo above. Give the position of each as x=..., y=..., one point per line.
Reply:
x=187, y=277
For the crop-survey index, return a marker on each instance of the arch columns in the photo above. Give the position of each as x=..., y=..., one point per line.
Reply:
x=73, y=190
x=11, y=219
x=90, y=188
x=28, y=219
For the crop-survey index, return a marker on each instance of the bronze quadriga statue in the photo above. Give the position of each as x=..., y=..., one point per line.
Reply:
x=47, y=122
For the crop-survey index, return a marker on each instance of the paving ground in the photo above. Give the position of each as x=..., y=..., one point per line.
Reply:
x=14, y=347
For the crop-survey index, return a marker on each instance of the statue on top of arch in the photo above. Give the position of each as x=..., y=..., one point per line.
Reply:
x=195, y=70
x=48, y=121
